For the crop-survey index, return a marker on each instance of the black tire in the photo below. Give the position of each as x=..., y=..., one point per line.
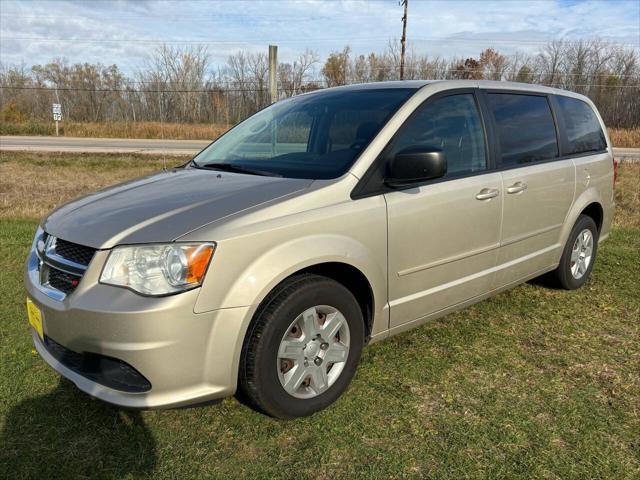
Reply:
x=563, y=274
x=258, y=374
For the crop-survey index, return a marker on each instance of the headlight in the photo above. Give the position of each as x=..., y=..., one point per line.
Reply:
x=158, y=269
x=38, y=243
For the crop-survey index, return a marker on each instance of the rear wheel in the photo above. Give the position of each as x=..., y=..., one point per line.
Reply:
x=579, y=254
x=303, y=347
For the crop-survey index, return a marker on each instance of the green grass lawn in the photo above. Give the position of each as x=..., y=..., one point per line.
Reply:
x=533, y=383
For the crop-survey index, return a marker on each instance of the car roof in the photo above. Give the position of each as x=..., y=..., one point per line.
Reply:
x=445, y=84
x=407, y=84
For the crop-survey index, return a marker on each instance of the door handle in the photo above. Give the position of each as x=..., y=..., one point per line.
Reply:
x=517, y=187
x=487, y=193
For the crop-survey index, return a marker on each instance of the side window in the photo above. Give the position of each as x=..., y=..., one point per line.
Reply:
x=526, y=130
x=451, y=124
x=582, y=126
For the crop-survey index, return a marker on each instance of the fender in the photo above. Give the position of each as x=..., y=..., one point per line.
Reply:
x=589, y=196
x=250, y=285
x=261, y=275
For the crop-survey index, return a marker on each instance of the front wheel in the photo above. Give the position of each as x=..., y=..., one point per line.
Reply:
x=303, y=348
x=579, y=254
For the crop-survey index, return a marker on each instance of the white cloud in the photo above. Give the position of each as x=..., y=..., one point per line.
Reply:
x=124, y=31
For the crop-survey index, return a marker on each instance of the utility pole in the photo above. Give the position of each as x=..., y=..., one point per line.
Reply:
x=403, y=3
x=273, y=67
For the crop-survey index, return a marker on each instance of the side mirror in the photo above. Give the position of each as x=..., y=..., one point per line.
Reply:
x=415, y=165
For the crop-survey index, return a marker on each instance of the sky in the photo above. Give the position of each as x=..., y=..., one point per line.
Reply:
x=124, y=32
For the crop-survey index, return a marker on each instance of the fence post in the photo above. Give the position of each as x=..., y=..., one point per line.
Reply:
x=273, y=66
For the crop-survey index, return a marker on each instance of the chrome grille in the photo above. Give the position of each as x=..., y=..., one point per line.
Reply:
x=74, y=252
x=63, y=281
x=61, y=264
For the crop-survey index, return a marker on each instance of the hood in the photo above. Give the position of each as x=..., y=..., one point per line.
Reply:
x=163, y=207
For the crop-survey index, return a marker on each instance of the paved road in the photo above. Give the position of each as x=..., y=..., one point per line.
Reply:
x=108, y=145
x=157, y=147
x=627, y=154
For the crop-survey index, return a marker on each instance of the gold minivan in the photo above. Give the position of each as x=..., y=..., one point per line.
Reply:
x=320, y=224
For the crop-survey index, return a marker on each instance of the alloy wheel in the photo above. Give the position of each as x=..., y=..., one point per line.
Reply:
x=581, y=254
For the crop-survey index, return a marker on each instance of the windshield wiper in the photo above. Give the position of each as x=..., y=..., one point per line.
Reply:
x=229, y=167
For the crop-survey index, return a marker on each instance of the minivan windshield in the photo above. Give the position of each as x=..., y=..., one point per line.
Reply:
x=314, y=136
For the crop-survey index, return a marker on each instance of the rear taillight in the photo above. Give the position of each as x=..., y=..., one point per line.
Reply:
x=615, y=171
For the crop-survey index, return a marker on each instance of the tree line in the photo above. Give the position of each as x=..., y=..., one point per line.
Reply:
x=180, y=84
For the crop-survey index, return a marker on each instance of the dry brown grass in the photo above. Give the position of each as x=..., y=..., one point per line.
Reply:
x=155, y=130
x=628, y=195
x=625, y=137
x=31, y=183
x=620, y=137
x=151, y=130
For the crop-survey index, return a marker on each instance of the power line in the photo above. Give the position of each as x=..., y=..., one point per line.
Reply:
x=480, y=70
x=208, y=41
x=391, y=68
x=265, y=89
x=123, y=90
x=218, y=16
x=159, y=15
x=225, y=83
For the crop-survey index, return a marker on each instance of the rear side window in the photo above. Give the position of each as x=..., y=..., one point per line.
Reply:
x=526, y=129
x=583, y=129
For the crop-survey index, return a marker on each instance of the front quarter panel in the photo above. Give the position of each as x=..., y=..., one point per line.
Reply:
x=252, y=258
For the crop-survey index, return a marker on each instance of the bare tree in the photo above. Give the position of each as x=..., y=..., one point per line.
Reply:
x=172, y=82
x=550, y=61
x=177, y=84
x=295, y=77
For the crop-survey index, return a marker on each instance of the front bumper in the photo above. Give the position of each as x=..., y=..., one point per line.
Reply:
x=187, y=358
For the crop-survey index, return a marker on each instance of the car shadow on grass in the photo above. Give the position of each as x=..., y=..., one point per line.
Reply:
x=65, y=435
x=547, y=281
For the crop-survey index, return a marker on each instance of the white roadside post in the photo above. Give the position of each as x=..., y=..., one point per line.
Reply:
x=56, y=108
